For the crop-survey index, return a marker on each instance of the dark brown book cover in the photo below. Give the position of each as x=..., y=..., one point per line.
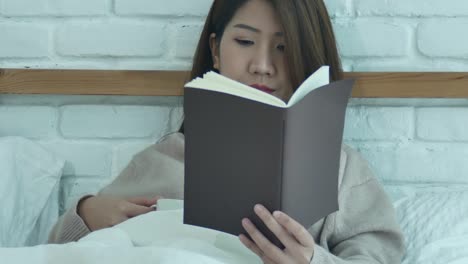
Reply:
x=240, y=152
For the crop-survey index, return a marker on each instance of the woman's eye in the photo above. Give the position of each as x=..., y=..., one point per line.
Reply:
x=280, y=47
x=244, y=42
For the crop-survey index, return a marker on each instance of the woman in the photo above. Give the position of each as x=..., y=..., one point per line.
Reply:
x=275, y=45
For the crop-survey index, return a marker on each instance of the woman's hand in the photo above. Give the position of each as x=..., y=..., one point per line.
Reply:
x=298, y=242
x=103, y=211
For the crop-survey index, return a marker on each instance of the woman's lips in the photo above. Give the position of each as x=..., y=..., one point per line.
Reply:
x=263, y=88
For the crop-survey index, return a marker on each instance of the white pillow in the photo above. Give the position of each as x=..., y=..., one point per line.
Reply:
x=29, y=179
x=435, y=225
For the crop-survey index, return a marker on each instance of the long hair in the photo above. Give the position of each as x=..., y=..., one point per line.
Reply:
x=309, y=38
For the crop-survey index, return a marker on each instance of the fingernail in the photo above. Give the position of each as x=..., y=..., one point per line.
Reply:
x=258, y=207
x=277, y=214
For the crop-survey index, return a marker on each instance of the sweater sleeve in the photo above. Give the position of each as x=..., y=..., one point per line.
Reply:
x=365, y=229
x=70, y=226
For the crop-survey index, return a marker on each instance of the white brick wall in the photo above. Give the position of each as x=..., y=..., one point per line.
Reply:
x=442, y=124
x=22, y=40
x=371, y=38
x=162, y=7
x=434, y=40
x=55, y=7
x=413, y=8
x=140, y=121
x=379, y=123
x=406, y=141
x=339, y=8
x=118, y=39
x=28, y=121
x=418, y=161
x=184, y=42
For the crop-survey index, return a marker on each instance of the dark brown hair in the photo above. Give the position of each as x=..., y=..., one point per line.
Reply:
x=309, y=38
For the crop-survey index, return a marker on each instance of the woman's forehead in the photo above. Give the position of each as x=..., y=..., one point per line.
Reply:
x=257, y=16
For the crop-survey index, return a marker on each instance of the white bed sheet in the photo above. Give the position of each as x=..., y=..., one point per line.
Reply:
x=435, y=225
x=156, y=237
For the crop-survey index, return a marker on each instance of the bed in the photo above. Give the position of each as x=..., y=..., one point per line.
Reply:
x=434, y=217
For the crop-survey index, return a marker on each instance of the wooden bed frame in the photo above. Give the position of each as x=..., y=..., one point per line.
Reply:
x=170, y=83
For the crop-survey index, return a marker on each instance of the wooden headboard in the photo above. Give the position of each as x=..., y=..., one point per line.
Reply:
x=170, y=83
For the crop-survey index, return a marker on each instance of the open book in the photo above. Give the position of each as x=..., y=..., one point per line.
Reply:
x=244, y=146
x=218, y=83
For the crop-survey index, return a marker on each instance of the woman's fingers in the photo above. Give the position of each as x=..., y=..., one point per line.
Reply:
x=143, y=201
x=274, y=226
x=250, y=245
x=265, y=246
x=132, y=210
x=255, y=249
x=297, y=230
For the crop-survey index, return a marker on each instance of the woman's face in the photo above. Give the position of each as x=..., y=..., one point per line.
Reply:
x=252, y=50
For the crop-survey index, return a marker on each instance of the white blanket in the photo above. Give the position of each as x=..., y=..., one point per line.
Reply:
x=156, y=237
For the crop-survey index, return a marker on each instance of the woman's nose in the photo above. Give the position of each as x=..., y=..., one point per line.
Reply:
x=262, y=63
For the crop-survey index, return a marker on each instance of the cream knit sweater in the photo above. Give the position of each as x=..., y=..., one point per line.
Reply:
x=364, y=230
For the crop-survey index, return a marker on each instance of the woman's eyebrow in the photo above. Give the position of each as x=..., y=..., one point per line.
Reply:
x=255, y=30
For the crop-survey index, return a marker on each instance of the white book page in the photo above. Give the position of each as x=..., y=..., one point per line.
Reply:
x=215, y=82
x=319, y=78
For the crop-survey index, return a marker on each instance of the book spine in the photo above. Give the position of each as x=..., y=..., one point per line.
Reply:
x=282, y=158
